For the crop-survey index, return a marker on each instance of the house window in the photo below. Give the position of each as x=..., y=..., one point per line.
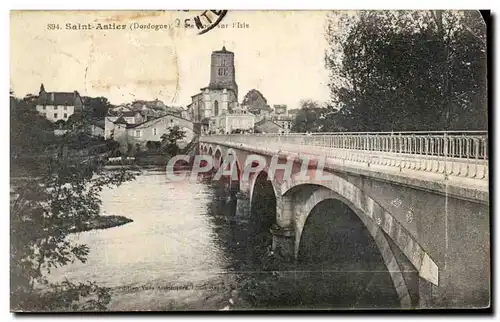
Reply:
x=171, y=120
x=44, y=107
x=154, y=131
x=65, y=108
x=55, y=107
x=138, y=133
x=55, y=115
x=65, y=115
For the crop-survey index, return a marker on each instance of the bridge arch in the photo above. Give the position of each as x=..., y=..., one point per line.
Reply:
x=375, y=217
x=218, y=149
x=231, y=156
x=263, y=208
x=319, y=208
x=210, y=150
x=217, y=157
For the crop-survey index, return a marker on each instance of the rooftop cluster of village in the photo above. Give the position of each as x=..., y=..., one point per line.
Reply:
x=215, y=109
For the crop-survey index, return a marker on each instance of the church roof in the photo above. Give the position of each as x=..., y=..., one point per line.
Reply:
x=217, y=87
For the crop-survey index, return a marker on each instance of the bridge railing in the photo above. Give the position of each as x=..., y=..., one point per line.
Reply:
x=454, y=152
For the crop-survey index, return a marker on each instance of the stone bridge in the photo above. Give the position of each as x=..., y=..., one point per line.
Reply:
x=420, y=199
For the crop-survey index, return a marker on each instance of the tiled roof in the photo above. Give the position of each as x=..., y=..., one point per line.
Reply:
x=158, y=119
x=263, y=121
x=217, y=87
x=58, y=98
x=120, y=120
x=254, y=108
x=129, y=114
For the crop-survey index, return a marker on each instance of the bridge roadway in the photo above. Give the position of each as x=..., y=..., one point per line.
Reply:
x=423, y=197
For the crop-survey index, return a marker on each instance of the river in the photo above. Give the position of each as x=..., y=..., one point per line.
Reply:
x=186, y=249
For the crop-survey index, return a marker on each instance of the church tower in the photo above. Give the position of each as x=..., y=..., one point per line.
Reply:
x=222, y=71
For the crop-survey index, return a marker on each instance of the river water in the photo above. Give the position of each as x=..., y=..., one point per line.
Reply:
x=186, y=249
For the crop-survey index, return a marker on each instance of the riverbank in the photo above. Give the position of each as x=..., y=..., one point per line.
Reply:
x=102, y=222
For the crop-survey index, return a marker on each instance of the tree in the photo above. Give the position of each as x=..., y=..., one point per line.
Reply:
x=153, y=146
x=98, y=106
x=169, y=140
x=314, y=118
x=60, y=198
x=30, y=132
x=400, y=70
x=255, y=101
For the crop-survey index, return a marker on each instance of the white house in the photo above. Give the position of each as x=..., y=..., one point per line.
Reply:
x=58, y=106
x=128, y=118
x=151, y=130
x=229, y=121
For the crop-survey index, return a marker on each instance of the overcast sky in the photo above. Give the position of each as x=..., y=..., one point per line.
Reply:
x=281, y=54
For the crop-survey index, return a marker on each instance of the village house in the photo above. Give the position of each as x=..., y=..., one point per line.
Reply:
x=265, y=125
x=149, y=130
x=234, y=120
x=58, y=106
x=124, y=118
x=281, y=117
x=154, y=130
x=96, y=128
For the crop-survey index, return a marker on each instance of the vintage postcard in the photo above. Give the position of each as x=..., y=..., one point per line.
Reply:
x=248, y=160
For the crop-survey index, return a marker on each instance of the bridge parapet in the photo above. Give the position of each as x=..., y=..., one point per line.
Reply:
x=461, y=154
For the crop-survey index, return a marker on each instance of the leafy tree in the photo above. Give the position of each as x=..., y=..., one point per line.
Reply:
x=314, y=118
x=61, y=198
x=408, y=70
x=113, y=146
x=169, y=140
x=255, y=101
x=30, y=132
x=153, y=146
x=97, y=106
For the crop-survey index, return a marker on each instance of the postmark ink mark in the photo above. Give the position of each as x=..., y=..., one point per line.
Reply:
x=205, y=21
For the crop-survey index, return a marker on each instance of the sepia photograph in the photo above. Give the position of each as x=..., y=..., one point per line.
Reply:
x=226, y=160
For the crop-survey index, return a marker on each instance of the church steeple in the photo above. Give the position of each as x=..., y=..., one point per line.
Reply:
x=42, y=88
x=222, y=71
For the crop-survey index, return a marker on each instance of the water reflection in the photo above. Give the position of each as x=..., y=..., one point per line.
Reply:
x=339, y=265
x=189, y=248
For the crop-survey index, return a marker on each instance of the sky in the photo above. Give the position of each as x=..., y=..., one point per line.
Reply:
x=281, y=54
